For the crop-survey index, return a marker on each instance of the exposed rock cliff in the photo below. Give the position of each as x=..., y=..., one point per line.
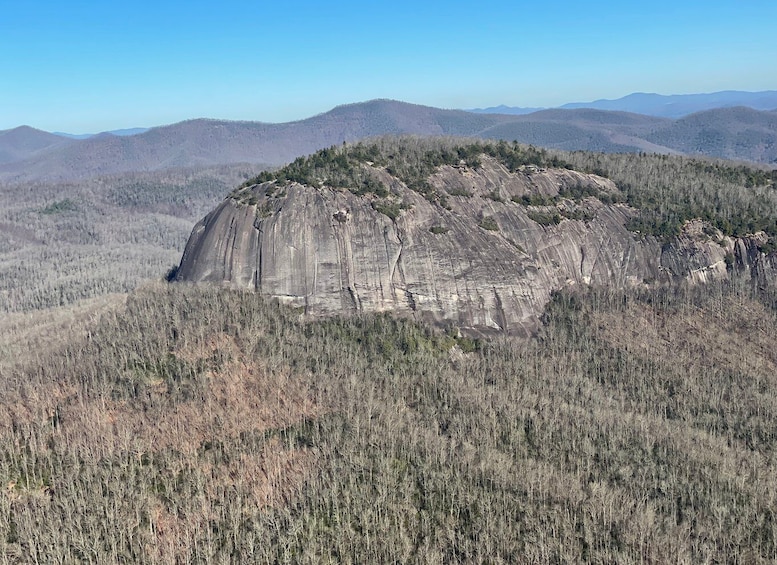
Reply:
x=484, y=256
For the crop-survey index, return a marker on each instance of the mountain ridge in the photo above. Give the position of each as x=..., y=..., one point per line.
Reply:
x=208, y=142
x=662, y=105
x=722, y=131
x=123, y=131
x=24, y=141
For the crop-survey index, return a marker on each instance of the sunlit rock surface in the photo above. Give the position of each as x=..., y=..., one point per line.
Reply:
x=480, y=262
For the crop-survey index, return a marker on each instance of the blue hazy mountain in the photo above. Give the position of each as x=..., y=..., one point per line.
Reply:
x=507, y=110
x=663, y=106
x=119, y=132
x=734, y=133
x=680, y=105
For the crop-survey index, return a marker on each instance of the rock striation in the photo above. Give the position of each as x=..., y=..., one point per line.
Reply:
x=484, y=259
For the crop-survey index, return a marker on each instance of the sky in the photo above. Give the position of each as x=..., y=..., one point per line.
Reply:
x=90, y=66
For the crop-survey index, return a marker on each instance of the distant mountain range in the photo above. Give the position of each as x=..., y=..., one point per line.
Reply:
x=509, y=110
x=672, y=106
x=732, y=133
x=127, y=131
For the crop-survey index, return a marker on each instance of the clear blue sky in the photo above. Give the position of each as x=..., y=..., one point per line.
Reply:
x=87, y=66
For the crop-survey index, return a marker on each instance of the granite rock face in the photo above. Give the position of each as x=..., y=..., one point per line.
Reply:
x=485, y=261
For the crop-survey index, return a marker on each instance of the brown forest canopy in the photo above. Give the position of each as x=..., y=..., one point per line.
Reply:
x=200, y=424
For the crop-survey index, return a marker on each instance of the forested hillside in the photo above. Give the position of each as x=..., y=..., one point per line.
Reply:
x=64, y=242
x=183, y=423
x=669, y=190
x=731, y=133
x=205, y=425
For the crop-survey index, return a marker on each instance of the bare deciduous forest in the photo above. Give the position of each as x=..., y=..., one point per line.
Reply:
x=65, y=242
x=205, y=425
x=177, y=423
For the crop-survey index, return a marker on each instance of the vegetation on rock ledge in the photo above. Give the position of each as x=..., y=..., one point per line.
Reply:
x=411, y=160
x=667, y=191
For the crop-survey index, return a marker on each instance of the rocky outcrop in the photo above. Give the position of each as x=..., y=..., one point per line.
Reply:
x=485, y=258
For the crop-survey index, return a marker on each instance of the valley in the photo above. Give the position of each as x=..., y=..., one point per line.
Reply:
x=594, y=381
x=407, y=282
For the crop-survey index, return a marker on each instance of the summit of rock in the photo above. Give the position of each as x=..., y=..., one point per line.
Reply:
x=473, y=236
